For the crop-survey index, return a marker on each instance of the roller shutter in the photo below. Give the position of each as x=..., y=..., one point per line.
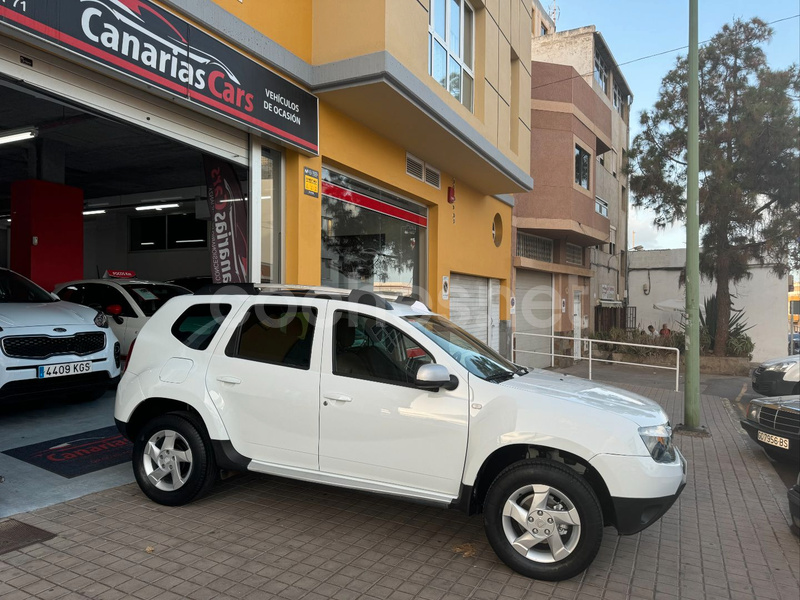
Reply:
x=475, y=306
x=534, y=314
x=92, y=91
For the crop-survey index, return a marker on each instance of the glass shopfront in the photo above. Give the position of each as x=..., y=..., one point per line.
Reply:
x=270, y=215
x=371, y=239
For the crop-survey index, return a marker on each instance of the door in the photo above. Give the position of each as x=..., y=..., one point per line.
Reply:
x=576, y=324
x=374, y=424
x=534, y=293
x=475, y=307
x=264, y=379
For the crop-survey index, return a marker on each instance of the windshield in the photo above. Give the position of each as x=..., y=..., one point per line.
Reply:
x=472, y=354
x=15, y=288
x=152, y=296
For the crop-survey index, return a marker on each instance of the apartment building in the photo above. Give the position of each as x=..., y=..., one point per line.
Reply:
x=571, y=229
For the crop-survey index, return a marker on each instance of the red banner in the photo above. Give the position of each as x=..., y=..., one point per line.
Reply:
x=228, y=208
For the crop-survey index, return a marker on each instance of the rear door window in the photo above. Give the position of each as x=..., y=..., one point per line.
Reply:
x=199, y=323
x=275, y=334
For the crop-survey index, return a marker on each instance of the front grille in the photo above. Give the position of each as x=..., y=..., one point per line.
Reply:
x=780, y=420
x=45, y=346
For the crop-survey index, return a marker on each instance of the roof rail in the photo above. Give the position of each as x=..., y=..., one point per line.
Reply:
x=369, y=299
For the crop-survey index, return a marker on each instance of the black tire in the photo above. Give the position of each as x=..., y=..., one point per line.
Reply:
x=181, y=480
x=568, y=495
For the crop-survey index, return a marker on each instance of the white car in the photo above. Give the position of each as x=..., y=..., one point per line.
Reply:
x=50, y=347
x=129, y=303
x=344, y=388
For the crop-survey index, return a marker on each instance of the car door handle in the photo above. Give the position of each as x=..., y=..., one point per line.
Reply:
x=229, y=379
x=337, y=397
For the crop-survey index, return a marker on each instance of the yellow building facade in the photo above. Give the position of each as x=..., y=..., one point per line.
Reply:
x=415, y=119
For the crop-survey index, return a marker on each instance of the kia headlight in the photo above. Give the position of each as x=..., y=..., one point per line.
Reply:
x=782, y=367
x=753, y=412
x=658, y=440
x=101, y=320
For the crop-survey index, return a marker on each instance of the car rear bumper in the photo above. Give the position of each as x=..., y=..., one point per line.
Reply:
x=632, y=515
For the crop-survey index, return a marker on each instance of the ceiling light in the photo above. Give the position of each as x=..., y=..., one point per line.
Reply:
x=188, y=241
x=94, y=212
x=147, y=244
x=18, y=135
x=156, y=206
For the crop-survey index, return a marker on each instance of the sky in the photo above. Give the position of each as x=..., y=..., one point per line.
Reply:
x=639, y=28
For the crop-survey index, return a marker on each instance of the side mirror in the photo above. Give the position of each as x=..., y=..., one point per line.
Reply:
x=114, y=310
x=433, y=377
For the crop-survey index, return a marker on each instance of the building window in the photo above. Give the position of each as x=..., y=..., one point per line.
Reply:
x=601, y=158
x=617, y=96
x=624, y=198
x=582, y=160
x=534, y=247
x=600, y=206
x=543, y=30
x=574, y=254
x=451, y=48
x=601, y=71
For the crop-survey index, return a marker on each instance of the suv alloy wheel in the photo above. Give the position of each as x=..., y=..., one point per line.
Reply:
x=543, y=520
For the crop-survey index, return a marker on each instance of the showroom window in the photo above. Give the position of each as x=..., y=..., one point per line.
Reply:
x=371, y=239
x=451, y=48
x=582, y=161
x=168, y=232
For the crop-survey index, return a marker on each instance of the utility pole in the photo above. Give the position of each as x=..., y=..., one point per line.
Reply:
x=691, y=401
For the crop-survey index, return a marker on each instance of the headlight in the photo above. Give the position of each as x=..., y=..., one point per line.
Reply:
x=101, y=320
x=781, y=367
x=753, y=411
x=658, y=440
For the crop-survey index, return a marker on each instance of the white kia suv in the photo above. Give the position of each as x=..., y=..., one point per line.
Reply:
x=50, y=347
x=344, y=388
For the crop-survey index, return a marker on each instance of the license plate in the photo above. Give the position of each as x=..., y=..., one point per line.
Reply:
x=773, y=440
x=64, y=369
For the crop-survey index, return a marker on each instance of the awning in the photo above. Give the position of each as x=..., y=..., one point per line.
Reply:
x=615, y=303
x=674, y=305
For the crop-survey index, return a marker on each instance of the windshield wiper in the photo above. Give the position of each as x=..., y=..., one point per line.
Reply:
x=501, y=377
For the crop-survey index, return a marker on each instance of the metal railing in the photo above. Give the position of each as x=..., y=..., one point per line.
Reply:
x=552, y=354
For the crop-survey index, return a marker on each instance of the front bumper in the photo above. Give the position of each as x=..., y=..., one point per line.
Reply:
x=632, y=515
x=771, y=383
x=752, y=429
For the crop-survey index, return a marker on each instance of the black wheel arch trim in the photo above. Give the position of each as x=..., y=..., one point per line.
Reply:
x=632, y=515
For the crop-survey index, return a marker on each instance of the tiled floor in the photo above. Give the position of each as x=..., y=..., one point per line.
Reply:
x=261, y=537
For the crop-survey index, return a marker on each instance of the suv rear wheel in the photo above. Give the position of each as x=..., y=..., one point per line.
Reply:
x=173, y=460
x=543, y=520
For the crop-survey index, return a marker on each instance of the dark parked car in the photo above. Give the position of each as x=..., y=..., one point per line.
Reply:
x=794, y=505
x=778, y=377
x=775, y=424
x=794, y=343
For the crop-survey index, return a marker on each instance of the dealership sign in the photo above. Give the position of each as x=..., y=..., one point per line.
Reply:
x=145, y=42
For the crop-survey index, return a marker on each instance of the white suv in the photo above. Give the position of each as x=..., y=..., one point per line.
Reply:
x=344, y=388
x=50, y=347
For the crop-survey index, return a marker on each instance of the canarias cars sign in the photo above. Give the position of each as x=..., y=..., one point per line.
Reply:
x=141, y=40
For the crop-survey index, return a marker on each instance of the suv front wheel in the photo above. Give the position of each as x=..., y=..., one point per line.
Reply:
x=173, y=461
x=543, y=520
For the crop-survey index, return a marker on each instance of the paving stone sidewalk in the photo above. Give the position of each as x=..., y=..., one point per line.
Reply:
x=260, y=537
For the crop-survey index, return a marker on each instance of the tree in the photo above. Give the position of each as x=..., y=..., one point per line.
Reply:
x=749, y=164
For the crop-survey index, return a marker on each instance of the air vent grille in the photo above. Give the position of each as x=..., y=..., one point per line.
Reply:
x=414, y=167
x=424, y=172
x=432, y=177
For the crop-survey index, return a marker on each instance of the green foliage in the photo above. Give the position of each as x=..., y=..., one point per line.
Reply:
x=749, y=158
